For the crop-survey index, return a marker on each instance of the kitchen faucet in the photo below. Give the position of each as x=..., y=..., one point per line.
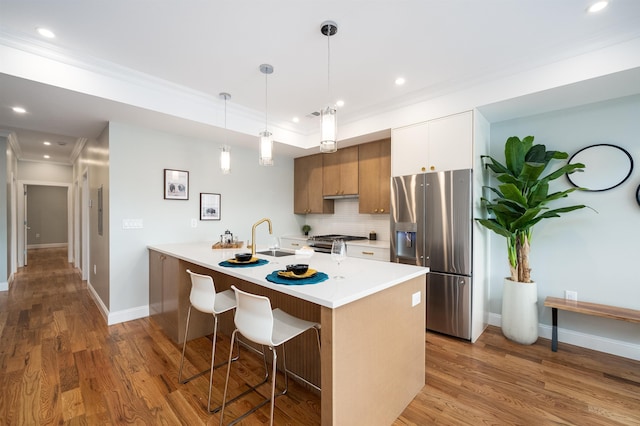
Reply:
x=253, y=233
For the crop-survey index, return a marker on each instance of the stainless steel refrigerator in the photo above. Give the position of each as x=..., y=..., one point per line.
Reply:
x=431, y=225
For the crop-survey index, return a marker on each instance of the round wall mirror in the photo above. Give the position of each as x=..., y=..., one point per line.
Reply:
x=606, y=166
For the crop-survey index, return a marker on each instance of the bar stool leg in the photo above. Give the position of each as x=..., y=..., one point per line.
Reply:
x=184, y=346
x=273, y=382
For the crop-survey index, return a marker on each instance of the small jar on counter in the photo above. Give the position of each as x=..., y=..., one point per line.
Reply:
x=372, y=235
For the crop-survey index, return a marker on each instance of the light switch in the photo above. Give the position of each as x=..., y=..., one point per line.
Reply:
x=132, y=224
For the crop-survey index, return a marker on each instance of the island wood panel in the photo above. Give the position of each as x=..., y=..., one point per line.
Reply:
x=373, y=356
x=303, y=356
x=169, y=289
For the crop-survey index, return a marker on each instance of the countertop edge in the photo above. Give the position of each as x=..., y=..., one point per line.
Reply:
x=171, y=250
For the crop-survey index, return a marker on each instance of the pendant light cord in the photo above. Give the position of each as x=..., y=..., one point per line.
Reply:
x=266, y=99
x=329, y=67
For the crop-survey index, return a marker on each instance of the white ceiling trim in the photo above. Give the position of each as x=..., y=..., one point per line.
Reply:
x=32, y=60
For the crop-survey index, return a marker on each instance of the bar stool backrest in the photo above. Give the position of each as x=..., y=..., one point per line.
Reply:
x=203, y=292
x=253, y=317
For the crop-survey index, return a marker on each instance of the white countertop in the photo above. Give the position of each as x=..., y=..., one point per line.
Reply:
x=362, y=277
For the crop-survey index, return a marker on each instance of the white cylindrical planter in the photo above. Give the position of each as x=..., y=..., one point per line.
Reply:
x=520, y=311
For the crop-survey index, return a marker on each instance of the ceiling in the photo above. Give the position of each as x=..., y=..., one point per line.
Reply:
x=210, y=47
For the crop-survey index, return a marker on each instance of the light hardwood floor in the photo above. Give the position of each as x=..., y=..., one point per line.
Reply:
x=60, y=364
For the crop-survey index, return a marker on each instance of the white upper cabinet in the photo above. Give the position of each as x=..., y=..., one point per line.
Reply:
x=432, y=146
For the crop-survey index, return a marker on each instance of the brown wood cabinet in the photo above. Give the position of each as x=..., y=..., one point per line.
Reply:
x=307, y=186
x=169, y=289
x=340, y=172
x=375, y=177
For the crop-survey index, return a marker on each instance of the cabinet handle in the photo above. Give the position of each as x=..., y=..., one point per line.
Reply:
x=375, y=210
x=433, y=167
x=370, y=253
x=381, y=210
x=295, y=244
x=424, y=169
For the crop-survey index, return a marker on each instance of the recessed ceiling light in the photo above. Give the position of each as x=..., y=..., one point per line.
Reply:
x=400, y=81
x=46, y=156
x=597, y=6
x=47, y=143
x=45, y=32
x=19, y=110
x=295, y=119
x=340, y=103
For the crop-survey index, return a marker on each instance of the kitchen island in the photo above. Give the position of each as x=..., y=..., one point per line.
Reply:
x=372, y=358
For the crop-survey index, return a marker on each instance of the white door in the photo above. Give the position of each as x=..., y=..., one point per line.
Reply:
x=14, y=225
x=26, y=226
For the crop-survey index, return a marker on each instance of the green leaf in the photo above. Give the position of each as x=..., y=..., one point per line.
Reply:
x=520, y=199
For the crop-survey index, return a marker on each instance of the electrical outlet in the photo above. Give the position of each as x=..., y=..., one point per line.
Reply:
x=194, y=223
x=571, y=295
x=415, y=299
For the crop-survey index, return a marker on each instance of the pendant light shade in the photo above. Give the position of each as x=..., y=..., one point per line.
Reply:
x=328, y=115
x=329, y=130
x=265, y=148
x=225, y=159
x=225, y=150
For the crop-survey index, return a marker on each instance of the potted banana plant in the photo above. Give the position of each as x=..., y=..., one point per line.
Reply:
x=518, y=203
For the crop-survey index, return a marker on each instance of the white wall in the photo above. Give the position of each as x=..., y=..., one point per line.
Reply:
x=593, y=253
x=347, y=220
x=137, y=158
x=45, y=172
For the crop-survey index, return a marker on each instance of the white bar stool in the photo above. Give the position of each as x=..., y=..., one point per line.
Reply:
x=256, y=321
x=204, y=298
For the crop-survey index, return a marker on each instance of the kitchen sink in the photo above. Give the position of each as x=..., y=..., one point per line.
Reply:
x=279, y=253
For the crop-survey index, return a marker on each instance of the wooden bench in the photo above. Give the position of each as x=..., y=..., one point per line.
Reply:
x=606, y=311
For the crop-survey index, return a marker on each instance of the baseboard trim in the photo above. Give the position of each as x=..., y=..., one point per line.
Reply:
x=112, y=318
x=50, y=245
x=101, y=306
x=128, y=315
x=584, y=340
x=4, y=286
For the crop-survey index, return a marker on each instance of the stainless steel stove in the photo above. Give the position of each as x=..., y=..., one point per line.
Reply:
x=322, y=243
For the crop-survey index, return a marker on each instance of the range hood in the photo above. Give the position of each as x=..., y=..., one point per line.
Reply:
x=339, y=197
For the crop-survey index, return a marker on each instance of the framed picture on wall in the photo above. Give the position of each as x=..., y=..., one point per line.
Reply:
x=209, y=206
x=176, y=184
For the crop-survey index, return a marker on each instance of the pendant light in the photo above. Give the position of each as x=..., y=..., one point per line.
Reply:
x=328, y=117
x=225, y=154
x=266, y=143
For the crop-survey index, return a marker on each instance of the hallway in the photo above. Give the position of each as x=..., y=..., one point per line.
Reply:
x=61, y=364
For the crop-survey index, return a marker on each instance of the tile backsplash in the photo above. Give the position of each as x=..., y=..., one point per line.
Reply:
x=347, y=220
